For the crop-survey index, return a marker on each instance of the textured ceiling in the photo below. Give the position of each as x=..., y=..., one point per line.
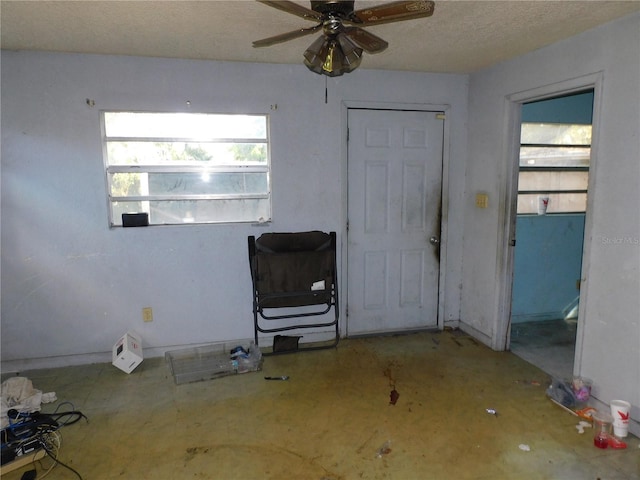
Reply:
x=461, y=36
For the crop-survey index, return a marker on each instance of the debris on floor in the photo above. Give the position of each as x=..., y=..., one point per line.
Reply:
x=492, y=411
x=586, y=413
x=385, y=449
x=566, y=409
x=581, y=389
x=571, y=395
x=561, y=393
x=524, y=447
x=616, y=443
x=534, y=383
x=19, y=394
x=31, y=434
x=393, y=397
x=572, y=398
x=127, y=352
x=582, y=425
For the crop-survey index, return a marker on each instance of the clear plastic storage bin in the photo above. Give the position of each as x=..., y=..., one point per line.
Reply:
x=210, y=362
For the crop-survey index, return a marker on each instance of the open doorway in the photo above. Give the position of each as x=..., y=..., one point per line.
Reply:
x=553, y=176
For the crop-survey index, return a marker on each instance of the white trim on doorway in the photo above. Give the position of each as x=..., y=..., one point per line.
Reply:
x=446, y=109
x=508, y=201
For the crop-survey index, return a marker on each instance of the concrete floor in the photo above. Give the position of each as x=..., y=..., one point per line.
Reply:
x=332, y=419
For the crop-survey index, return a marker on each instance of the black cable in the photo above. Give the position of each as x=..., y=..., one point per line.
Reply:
x=36, y=425
x=55, y=459
x=73, y=407
x=57, y=415
x=78, y=415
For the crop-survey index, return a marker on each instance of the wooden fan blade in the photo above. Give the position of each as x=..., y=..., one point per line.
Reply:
x=394, y=12
x=369, y=42
x=293, y=8
x=266, y=42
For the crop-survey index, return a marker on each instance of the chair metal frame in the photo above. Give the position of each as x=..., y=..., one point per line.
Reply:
x=288, y=293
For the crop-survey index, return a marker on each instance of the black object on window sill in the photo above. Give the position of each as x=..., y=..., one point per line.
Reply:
x=135, y=219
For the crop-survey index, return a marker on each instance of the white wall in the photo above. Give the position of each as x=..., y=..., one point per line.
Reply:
x=608, y=349
x=71, y=286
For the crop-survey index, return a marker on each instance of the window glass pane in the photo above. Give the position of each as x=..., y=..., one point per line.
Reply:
x=128, y=184
x=555, y=134
x=138, y=184
x=187, y=168
x=207, y=183
x=118, y=208
x=558, y=203
x=183, y=153
x=184, y=125
x=554, y=156
x=543, y=181
x=204, y=211
x=173, y=212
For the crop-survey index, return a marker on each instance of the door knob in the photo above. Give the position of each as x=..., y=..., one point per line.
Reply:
x=434, y=240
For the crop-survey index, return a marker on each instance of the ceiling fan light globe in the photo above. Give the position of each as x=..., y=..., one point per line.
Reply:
x=342, y=57
x=351, y=52
x=317, y=51
x=333, y=60
x=313, y=67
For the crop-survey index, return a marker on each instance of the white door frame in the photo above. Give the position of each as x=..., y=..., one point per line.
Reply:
x=345, y=106
x=509, y=198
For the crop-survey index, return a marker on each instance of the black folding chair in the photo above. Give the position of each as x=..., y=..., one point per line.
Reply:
x=296, y=272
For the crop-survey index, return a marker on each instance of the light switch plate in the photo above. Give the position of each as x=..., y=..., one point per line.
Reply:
x=482, y=200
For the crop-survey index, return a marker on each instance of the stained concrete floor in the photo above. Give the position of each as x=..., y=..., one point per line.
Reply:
x=332, y=419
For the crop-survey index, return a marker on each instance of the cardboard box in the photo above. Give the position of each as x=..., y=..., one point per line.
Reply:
x=127, y=352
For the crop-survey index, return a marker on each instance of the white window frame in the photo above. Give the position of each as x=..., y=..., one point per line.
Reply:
x=583, y=151
x=145, y=199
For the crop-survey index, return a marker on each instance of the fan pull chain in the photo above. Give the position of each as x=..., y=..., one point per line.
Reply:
x=326, y=94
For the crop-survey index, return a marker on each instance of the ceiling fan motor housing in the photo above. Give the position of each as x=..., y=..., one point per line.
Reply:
x=342, y=8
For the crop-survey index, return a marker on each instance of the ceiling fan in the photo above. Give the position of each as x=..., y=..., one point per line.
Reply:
x=339, y=49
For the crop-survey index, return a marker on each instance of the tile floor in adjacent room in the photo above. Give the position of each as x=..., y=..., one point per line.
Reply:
x=332, y=419
x=549, y=345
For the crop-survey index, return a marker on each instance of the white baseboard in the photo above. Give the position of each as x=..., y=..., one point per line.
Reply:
x=475, y=333
x=25, y=364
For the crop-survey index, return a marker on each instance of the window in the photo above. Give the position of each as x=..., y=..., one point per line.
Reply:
x=187, y=167
x=554, y=167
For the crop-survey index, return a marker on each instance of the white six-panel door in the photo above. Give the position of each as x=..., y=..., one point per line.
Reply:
x=394, y=201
